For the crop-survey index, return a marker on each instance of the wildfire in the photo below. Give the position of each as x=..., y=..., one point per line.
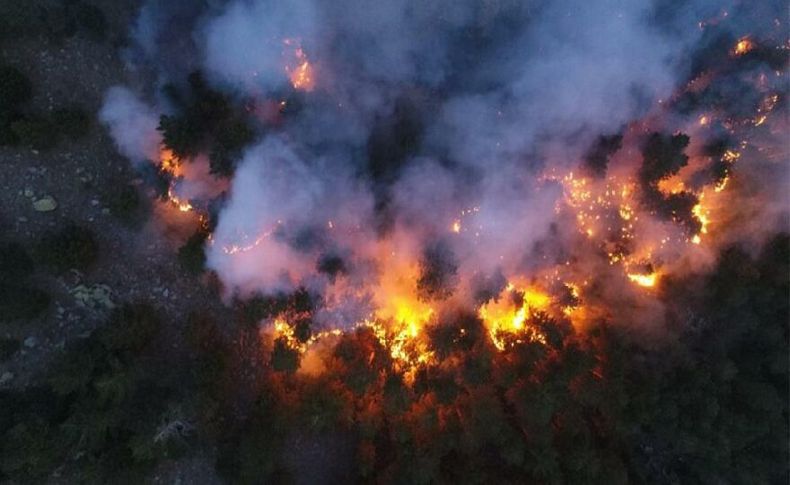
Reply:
x=766, y=106
x=171, y=165
x=672, y=185
x=182, y=205
x=743, y=46
x=243, y=248
x=400, y=315
x=702, y=216
x=300, y=72
x=283, y=329
x=646, y=280
x=510, y=313
x=609, y=211
x=722, y=184
x=168, y=161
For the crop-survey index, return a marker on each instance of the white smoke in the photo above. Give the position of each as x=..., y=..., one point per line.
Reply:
x=499, y=91
x=132, y=124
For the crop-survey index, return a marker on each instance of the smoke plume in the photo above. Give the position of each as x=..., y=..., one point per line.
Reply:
x=425, y=154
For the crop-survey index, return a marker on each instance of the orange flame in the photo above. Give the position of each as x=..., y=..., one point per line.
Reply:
x=511, y=312
x=645, y=280
x=743, y=46
x=301, y=72
x=170, y=164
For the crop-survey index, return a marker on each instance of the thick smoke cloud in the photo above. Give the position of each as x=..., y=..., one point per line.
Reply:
x=132, y=125
x=285, y=206
x=246, y=43
x=486, y=96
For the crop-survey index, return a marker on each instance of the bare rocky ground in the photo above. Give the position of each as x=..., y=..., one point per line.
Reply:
x=136, y=263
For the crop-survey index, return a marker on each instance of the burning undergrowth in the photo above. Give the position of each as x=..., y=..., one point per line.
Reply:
x=420, y=179
x=488, y=163
x=429, y=212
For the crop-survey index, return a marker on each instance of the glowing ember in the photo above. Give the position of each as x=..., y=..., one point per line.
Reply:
x=182, y=205
x=300, y=72
x=239, y=248
x=285, y=331
x=731, y=156
x=743, y=46
x=171, y=165
x=766, y=106
x=282, y=329
x=701, y=214
x=168, y=161
x=722, y=184
x=646, y=280
x=510, y=313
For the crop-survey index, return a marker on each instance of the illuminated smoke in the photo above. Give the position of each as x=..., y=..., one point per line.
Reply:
x=491, y=156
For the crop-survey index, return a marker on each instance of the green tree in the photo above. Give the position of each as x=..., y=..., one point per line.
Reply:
x=438, y=272
x=284, y=358
x=22, y=302
x=231, y=138
x=15, y=89
x=71, y=247
x=597, y=158
x=35, y=132
x=125, y=204
x=72, y=121
x=15, y=263
x=191, y=255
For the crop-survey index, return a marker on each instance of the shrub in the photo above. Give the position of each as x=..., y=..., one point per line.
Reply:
x=125, y=204
x=35, y=132
x=284, y=358
x=438, y=272
x=21, y=303
x=15, y=263
x=7, y=136
x=105, y=403
x=8, y=347
x=331, y=265
x=15, y=88
x=72, y=121
x=191, y=255
x=26, y=451
x=205, y=120
x=58, y=22
x=92, y=21
x=229, y=142
x=180, y=135
x=71, y=247
x=131, y=327
x=18, y=20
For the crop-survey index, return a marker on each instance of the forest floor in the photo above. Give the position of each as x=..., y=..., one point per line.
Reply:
x=136, y=262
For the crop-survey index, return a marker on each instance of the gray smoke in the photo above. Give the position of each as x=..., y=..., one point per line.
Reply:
x=491, y=94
